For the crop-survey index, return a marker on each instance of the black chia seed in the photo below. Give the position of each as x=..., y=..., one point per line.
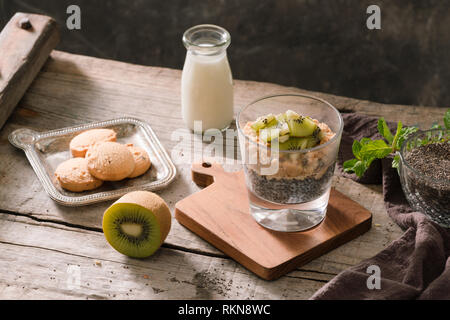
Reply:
x=433, y=160
x=289, y=191
x=431, y=196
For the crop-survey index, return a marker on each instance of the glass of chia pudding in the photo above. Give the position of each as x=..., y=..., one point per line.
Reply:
x=424, y=170
x=289, y=145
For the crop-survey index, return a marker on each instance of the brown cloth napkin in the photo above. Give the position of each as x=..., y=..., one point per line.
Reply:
x=416, y=266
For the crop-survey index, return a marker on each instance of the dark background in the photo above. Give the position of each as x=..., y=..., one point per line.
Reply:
x=320, y=45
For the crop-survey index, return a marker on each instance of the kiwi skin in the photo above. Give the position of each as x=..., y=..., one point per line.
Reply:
x=152, y=208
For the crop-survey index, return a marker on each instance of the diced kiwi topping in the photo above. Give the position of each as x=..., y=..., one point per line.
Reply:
x=293, y=131
x=269, y=134
x=263, y=122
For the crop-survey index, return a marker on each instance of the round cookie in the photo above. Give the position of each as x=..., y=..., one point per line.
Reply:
x=73, y=175
x=110, y=161
x=81, y=143
x=141, y=160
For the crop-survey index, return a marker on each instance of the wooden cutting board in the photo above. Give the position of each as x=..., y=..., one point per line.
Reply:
x=220, y=215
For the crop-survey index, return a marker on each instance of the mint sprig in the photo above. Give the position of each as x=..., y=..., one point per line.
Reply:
x=366, y=150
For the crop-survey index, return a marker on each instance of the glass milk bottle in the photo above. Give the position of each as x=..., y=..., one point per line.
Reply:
x=206, y=82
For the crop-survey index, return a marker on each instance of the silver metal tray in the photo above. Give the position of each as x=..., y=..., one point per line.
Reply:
x=46, y=150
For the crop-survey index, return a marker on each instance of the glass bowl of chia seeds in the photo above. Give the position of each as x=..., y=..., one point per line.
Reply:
x=289, y=145
x=424, y=171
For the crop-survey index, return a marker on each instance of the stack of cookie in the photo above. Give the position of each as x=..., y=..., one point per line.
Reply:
x=97, y=157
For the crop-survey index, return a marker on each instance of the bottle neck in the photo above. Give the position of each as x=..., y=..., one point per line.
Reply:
x=213, y=54
x=206, y=40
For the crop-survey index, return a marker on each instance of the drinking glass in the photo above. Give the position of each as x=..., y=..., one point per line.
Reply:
x=289, y=189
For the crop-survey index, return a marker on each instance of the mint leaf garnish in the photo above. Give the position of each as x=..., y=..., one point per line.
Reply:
x=356, y=148
x=350, y=164
x=403, y=135
x=355, y=165
x=367, y=150
x=376, y=149
x=385, y=131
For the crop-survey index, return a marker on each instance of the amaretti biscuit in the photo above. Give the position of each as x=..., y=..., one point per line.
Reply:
x=141, y=160
x=110, y=161
x=73, y=175
x=81, y=143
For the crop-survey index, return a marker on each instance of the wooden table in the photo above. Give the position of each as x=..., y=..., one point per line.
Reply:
x=49, y=251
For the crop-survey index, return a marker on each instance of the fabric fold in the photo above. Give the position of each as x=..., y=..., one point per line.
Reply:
x=415, y=266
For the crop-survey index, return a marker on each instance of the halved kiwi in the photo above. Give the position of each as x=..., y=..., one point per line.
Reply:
x=137, y=224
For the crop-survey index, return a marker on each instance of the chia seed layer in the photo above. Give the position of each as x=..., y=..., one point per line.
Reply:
x=433, y=160
x=286, y=190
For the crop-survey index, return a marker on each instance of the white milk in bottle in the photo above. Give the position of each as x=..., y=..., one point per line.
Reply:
x=206, y=82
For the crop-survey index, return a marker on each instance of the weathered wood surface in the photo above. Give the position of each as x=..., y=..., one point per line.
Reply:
x=25, y=44
x=40, y=238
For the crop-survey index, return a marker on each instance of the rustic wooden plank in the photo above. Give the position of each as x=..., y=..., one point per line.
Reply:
x=36, y=203
x=79, y=88
x=39, y=267
x=74, y=89
x=25, y=44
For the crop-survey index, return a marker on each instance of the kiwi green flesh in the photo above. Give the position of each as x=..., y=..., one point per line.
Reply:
x=295, y=125
x=263, y=122
x=295, y=143
x=302, y=132
x=132, y=229
x=301, y=127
